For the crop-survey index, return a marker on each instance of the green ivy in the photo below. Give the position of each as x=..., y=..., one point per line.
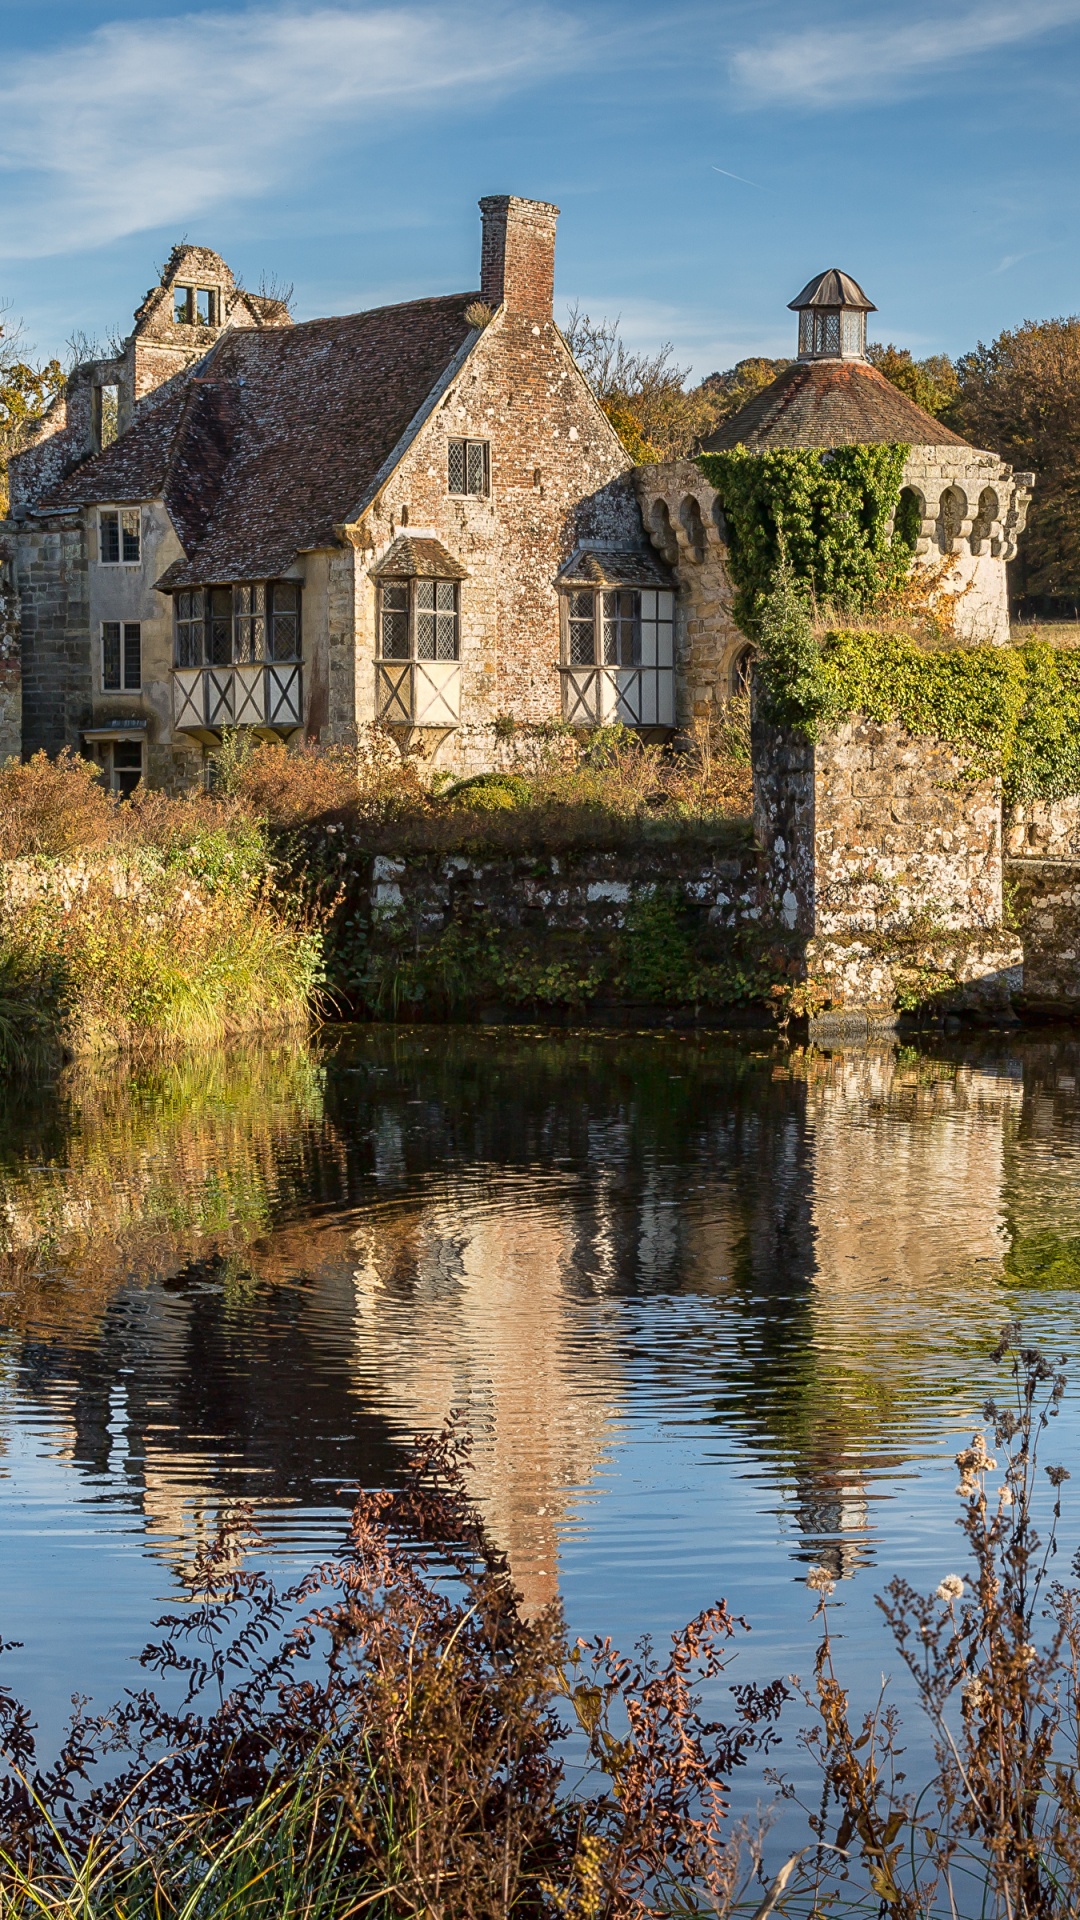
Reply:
x=830, y=513
x=1016, y=708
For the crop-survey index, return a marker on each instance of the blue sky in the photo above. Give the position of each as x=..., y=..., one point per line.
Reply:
x=708, y=157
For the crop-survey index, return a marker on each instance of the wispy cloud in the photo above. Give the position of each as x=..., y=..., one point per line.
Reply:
x=834, y=66
x=148, y=122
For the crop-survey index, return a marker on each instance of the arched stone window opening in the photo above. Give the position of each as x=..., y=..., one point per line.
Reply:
x=693, y=526
x=719, y=518
x=910, y=513
x=742, y=668
x=663, y=532
x=983, y=523
x=952, y=512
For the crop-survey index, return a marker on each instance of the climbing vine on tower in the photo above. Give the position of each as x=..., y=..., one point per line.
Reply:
x=832, y=513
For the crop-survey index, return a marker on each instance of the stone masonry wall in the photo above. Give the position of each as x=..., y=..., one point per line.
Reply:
x=10, y=658
x=593, y=889
x=559, y=477
x=56, y=653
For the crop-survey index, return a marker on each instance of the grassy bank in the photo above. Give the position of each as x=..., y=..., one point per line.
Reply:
x=161, y=920
x=394, y=1736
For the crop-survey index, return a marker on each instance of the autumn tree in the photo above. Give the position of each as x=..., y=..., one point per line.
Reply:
x=644, y=395
x=932, y=383
x=729, y=392
x=1020, y=397
x=27, y=391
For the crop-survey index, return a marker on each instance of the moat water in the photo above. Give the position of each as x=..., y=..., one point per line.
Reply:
x=715, y=1311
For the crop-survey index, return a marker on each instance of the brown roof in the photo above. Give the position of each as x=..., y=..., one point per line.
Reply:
x=412, y=558
x=830, y=403
x=277, y=439
x=589, y=567
x=832, y=289
x=136, y=466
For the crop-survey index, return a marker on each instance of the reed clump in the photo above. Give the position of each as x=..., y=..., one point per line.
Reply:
x=384, y=1737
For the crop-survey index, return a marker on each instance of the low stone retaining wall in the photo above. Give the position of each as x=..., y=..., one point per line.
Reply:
x=591, y=889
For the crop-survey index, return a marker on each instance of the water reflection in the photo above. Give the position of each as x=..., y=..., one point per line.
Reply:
x=704, y=1304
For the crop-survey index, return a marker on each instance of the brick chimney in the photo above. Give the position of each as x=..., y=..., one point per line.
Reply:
x=517, y=255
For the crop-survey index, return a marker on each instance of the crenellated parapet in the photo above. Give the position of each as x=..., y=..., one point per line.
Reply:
x=685, y=522
x=971, y=510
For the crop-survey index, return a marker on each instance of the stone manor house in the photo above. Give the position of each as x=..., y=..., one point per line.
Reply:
x=417, y=516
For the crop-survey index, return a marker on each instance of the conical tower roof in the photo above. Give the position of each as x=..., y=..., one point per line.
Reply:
x=832, y=289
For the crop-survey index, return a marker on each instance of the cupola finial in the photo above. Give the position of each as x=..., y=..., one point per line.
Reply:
x=832, y=310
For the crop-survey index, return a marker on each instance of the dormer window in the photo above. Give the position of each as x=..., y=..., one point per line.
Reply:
x=195, y=306
x=832, y=312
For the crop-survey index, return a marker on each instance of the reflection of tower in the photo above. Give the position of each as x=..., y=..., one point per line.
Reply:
x=462, y=1302
x=906, y=1175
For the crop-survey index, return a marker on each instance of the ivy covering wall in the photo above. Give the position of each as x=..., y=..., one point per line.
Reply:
x=809, y=527
x=833, y=514
x=1017, y=708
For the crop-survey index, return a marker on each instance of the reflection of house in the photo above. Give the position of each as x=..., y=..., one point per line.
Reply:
x=417, y=515
x=465, y=1305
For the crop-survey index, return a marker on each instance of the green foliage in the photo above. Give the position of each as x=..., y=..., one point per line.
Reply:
x=1016, y=708
x=789, y=664
x=932, y=383
x=231, y=857
x=26, y=394
x=489, y=792
x=829, y=513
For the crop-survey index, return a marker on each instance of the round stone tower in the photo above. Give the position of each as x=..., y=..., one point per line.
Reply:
x=970, y=505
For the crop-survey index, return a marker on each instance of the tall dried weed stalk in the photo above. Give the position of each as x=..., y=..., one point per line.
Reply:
x=993, y=1657
x=384, y=1737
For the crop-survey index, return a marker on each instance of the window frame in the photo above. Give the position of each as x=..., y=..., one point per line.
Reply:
x=466, y=492
x=191, y=316
x=412, y=585
x=243, y=614
x=117, y=516
x=640, y=617
x=128, y=634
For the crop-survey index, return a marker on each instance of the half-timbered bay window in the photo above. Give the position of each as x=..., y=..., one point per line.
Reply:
x=225, y=626
x=418, y=635
x=618, y=641
x=238, y=653
x=418, y=619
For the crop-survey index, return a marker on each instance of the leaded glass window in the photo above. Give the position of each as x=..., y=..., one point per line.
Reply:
x=581, y=620
x=284, y=616
x=436, y=620
x=190, y=628
x=119, y=536
x=622, y=628
x=827, y=333
x=121, y=656
x=219, y=612
x=249, y=622
x=468, y=466
x=394, y=622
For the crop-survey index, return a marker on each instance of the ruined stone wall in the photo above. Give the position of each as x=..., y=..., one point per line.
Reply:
x=56, y=654
x=884, y=852
x=559, y=477
x=10, y=655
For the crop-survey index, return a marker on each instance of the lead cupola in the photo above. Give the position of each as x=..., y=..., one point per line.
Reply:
x=832, y=310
